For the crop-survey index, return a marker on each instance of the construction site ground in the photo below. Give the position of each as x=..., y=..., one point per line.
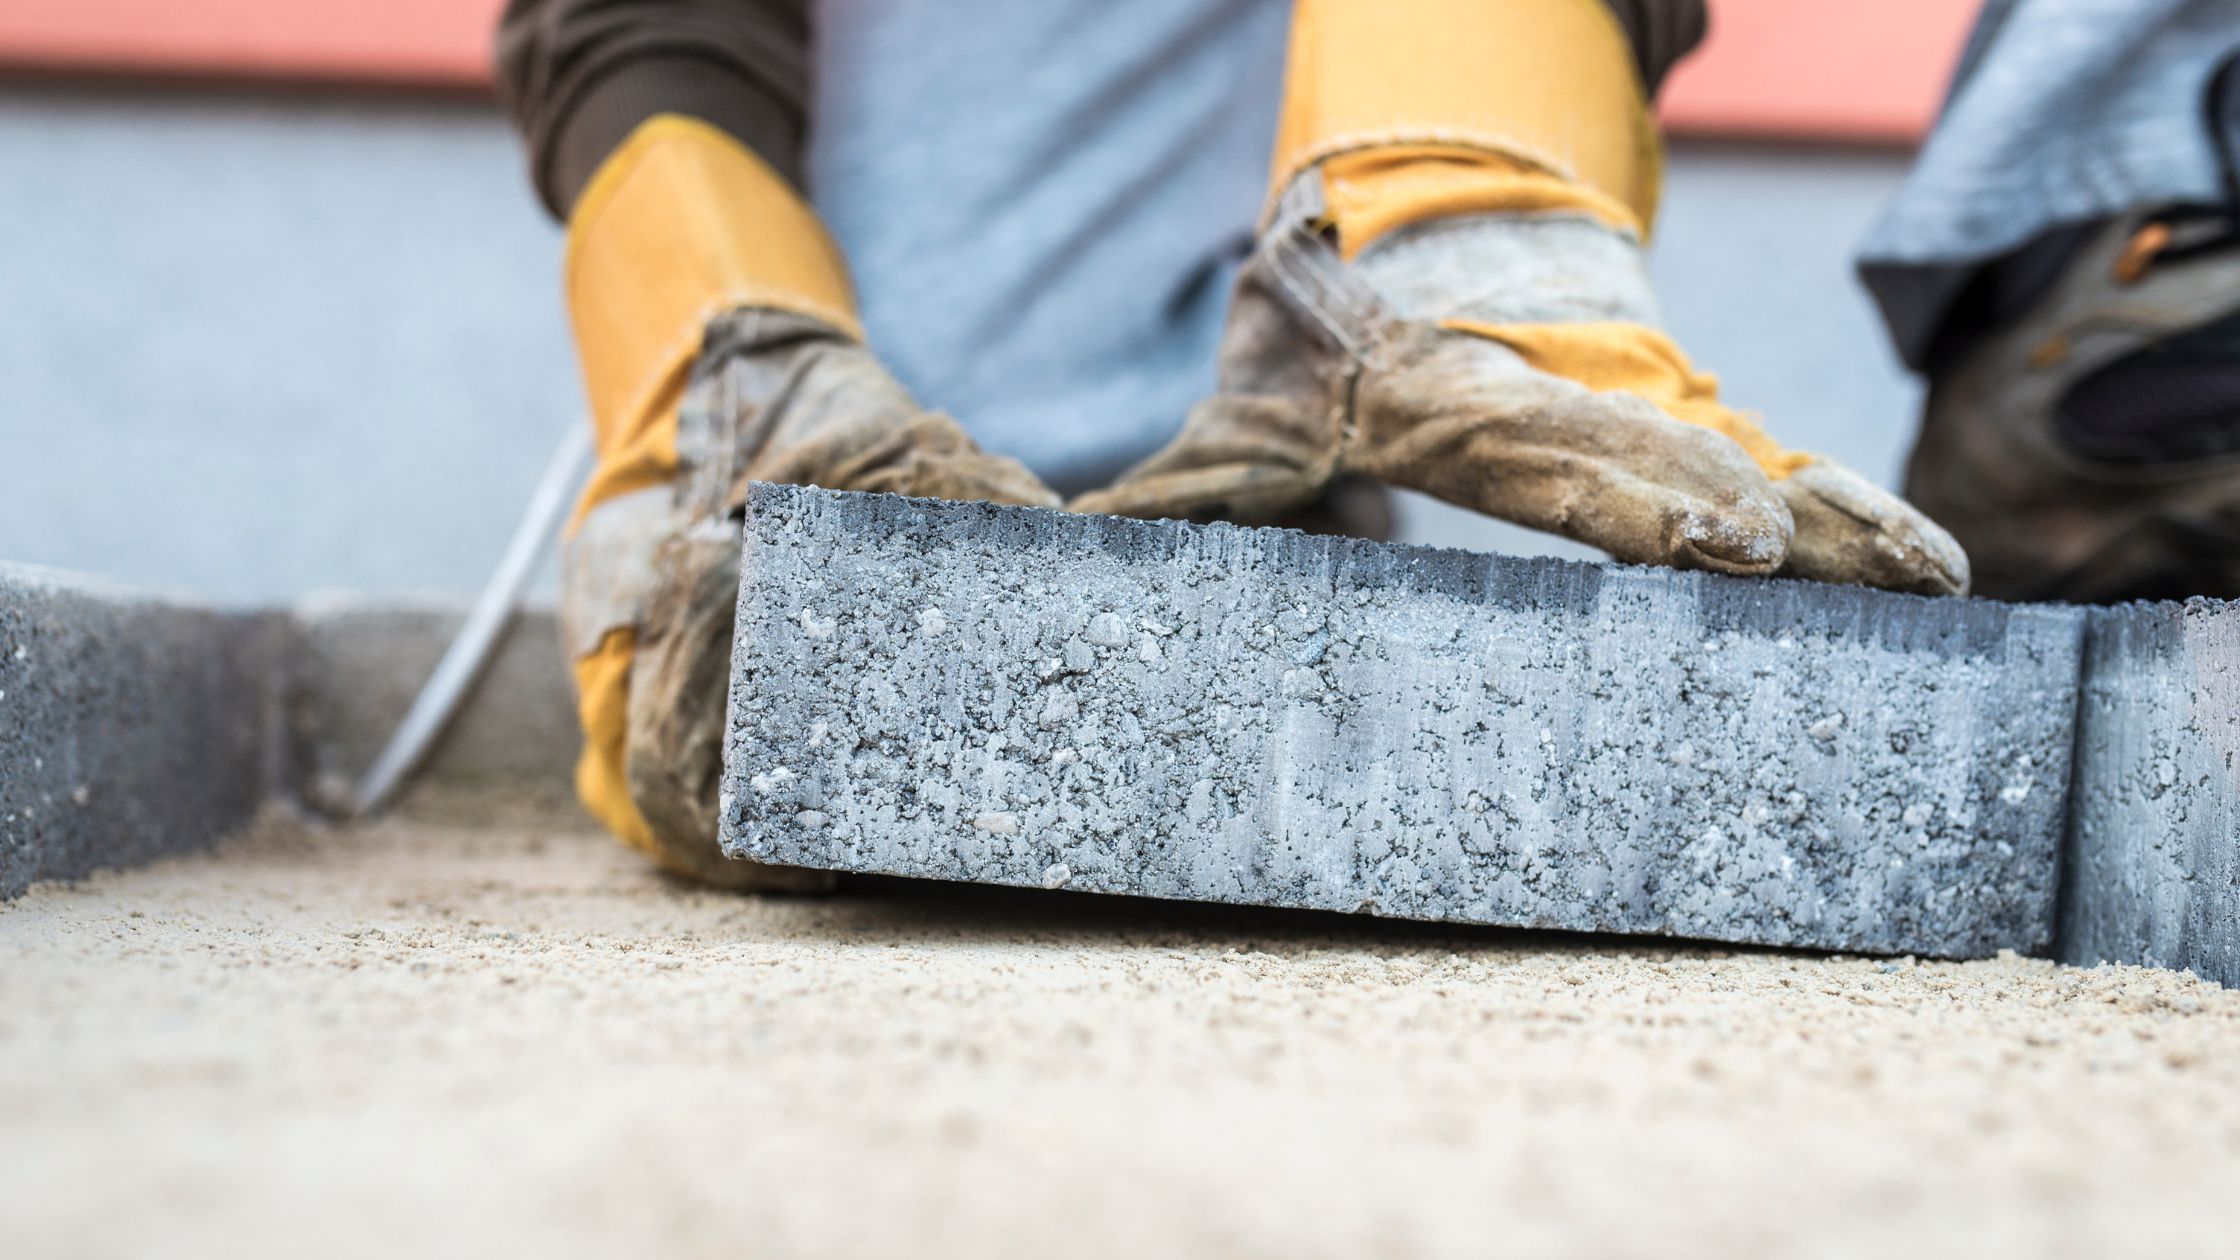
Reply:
x=479, y=1028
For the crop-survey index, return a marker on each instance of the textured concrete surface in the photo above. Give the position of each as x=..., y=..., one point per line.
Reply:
x=132, y=727
x=2154, y=856
x=356, y=662
x=129, y=727
x=487, y=1032
x=1025, y=697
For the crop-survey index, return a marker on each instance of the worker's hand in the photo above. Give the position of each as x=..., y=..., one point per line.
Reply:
x=682, y=220
x=651, y=582
x=1510, y=363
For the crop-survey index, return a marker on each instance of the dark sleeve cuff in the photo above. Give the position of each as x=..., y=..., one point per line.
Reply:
x=609, y=109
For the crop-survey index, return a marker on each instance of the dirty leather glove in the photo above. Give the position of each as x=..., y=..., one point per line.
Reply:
x=720, y=346
x=1511, y=364
x=1449, y=295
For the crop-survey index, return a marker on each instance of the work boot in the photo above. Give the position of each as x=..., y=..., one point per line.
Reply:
x=688, y=410
x=2090, y=450
x=1449, y=294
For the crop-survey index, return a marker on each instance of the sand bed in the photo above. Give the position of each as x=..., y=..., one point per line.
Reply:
x=480, y=1029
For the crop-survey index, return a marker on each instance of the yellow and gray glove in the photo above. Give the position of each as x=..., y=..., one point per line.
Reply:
x=720, y=345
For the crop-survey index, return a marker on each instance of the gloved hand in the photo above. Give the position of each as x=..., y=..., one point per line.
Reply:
x=1450, y=317
x=720, y=347
x=1510, y=364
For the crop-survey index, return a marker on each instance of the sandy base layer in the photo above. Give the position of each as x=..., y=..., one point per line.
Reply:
x=480, y=1030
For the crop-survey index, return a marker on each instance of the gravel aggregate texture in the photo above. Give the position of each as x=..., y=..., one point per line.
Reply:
x=1027, y=697
x=130, y=726
x=2153, y=871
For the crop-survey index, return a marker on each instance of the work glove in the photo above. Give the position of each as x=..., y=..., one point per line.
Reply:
x=1449, y=295
x=720, y=346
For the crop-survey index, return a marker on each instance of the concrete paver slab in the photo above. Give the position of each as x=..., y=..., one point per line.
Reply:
x=129, y=727
x=1015, y=696
x=2154, y=856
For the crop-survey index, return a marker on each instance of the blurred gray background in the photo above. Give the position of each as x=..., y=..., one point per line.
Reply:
x=262, y=344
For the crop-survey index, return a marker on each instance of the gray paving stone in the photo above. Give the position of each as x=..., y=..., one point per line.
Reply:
x=1024, y=697
x=130, y=728
x=2154, y=842
x=355, y=662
